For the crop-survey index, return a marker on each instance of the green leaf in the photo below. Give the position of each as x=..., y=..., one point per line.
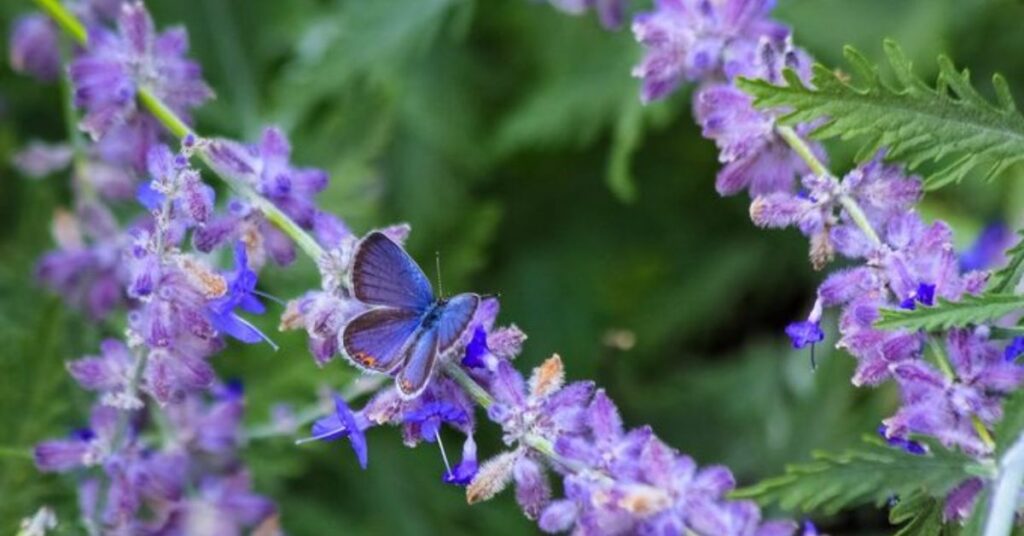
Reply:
x=950, y=124
x=920, y=515
x=946, y=314
x=1006, y=278
x=626, y=140
x=870, y=474
x=1012, y=425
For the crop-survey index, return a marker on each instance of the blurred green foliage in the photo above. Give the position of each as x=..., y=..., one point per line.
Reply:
x=510, y=137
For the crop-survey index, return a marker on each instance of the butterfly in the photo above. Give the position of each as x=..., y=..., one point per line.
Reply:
x=408, y=327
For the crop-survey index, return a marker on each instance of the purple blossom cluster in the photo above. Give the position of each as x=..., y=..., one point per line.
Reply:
x=190, y=482
x=184, y=476
x=616, y=481
x=952, y=386
x=188, y=479
x=160, y=452
x=611, y=13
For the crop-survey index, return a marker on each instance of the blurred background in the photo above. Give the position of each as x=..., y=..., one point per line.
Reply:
x=511, y=137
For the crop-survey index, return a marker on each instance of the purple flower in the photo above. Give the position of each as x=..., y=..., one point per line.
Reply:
x=610, y=12
x=908, y=445
x=343, y=423
x=223, y=504
x=944, y=407
x=208, y=425
x=85, y=269
x=988, y=250
x=489, y=344
x=1014, y=349
x=688, y=40
x=40, y=159
x=464, y=472
x=805, y=333
x=960, y=501
x=754, y=157
x=108, y=75
x=109, y=373
x=322, y=315
x=239, y=295
x=923, y=294
x=426, y=419
x=543, y=406
x=84, y=448
x=35, y=47
x=192, y=199
x=883, y=191
x=266, y=167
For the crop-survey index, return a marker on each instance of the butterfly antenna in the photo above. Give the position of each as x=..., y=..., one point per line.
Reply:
x=440, y=286
x=444, y=455
x=270, y=297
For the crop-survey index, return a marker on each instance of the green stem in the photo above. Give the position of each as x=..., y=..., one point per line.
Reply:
x=131, y=391
x=83, y=187
x=468, y=384
x=15, y=452
x=65, y=19
x=170, y=120
x=177, y=126
x=163, y=113
x=356, y=388
x=803, y=150
x=939, y=356
x=816, y=166
x=1007, y=491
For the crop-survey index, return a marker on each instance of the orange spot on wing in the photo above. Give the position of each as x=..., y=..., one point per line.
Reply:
x=365, y=359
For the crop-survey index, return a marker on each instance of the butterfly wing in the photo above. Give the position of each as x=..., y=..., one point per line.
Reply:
x=377, y=339
x=384, y=274
x=418, y=365
x=455, y=318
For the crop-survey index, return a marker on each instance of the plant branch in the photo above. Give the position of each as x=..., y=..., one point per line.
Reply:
x=1007, y=491
x=804, y=151
x=177, y=126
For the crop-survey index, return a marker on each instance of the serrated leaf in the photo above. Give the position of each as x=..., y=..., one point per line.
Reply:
x=1006, y=278
x=871, y=474
x=950, y=124
x=946, y=314
x=919, y=515
x=625, y=141
x=1010, y=428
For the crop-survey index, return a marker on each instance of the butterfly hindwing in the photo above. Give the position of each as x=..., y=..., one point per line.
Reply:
x=455, y=318
x=418, y=364
x=376, y=339
x=384, y=274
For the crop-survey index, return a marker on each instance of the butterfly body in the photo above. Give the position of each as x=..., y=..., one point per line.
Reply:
x=407, y=327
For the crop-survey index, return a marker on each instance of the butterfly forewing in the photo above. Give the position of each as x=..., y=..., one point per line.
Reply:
x=384, y=274
x=455, y=318
x=376, y=339
x=418, y=365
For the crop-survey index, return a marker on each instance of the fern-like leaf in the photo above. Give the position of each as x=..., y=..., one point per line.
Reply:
x=951, y=123
x=946, y=314
x=1005, y=279
x=919, y=515
x=871, y=474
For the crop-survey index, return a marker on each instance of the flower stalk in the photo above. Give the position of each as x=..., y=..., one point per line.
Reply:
x=1007, y=491
x=817, y=167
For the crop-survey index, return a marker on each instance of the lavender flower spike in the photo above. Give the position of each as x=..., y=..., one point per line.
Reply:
x=35, y=47
x=109, y=75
